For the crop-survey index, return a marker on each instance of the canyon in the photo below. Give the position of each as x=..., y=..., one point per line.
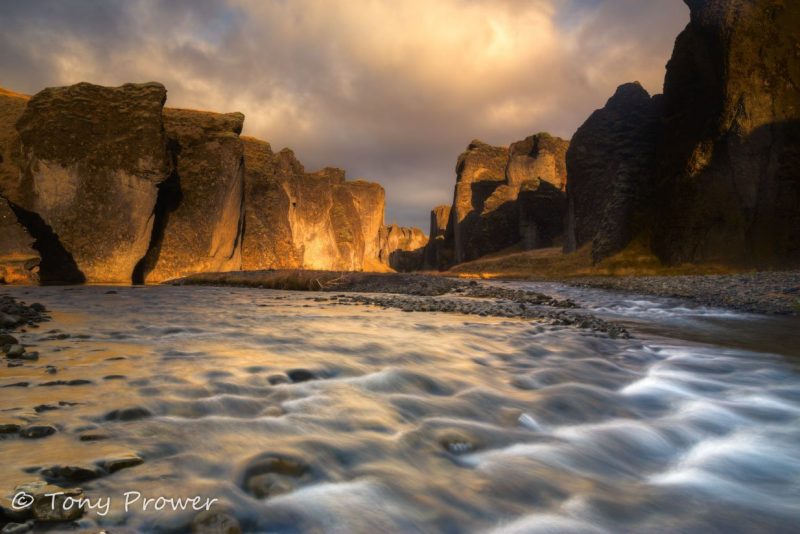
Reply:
x=104, y=184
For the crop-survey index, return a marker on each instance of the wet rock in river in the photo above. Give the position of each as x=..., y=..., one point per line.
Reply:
x=113, y=465
x=9, y=428
x=7, y=339
x=70, y=473
x=15, y=351
x=53, y=504
x=300, y=375
x=37, y=431
x=277, y=379
x=215, y=522
x=128, y=414
x=271, y=474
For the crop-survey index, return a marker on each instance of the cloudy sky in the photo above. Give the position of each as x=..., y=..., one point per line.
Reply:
x=391, y=90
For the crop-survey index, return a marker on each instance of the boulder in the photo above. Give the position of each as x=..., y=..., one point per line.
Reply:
x=199, y=214
x=609, y=162
x=729, y=164
x=90, y=159
x=403, y=249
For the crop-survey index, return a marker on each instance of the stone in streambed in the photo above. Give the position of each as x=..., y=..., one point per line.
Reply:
x=37, y=431
x=61, y=508
x=300, y=375
x=215, y=522
x=271, y=474
x=9, y=428
x=70, y=473
x=113, y=465
x=7, y=339
x=128, y=414
x=15, y=351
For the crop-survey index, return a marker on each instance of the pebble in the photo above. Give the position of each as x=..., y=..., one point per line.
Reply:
x=271, y=474
x=70, y=473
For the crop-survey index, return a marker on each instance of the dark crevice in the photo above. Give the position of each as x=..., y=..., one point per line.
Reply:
x=57, y=265
x=168, y=199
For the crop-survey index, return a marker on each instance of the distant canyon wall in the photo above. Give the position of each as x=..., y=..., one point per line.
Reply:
x=503, y=196
x=105, y=185
x=708, y=172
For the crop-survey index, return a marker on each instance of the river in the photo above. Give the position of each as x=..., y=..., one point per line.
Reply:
x=410, y=422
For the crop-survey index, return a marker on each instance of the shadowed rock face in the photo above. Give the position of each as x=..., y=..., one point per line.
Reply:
x=437, y=254
x=199, y=229
x=91, y=159
x=19, y=262
x=610, y=163
x=480, y=210
x=486, y=217
x=403, y=249
x=295, y=219
x=730, y=160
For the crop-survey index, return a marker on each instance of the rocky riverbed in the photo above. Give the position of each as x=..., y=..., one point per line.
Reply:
x=758, y=292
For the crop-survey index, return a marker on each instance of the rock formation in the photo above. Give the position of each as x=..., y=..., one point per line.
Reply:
x=90, y=160
x=729, y=164
x=19, y=262
x=486, y=216
x=610, y=171
x=437, y=254
x=403, y=249
x=295, y=219
x=199, y=215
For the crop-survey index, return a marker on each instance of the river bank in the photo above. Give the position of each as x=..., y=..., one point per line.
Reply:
x=772, y=293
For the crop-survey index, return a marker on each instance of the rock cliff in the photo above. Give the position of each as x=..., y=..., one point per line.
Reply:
x=610, y=163
x=19, y=262
x=403, y=249
x=199, y=215
x=90, y=160
x=295, y=219
x=437, y=253
x=729, y=163
x=487, y=216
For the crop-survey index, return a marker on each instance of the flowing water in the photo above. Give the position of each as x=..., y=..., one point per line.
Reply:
x=411, y=422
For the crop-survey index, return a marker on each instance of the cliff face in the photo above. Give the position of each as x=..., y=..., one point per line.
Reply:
x=728, y=164
x=403, y=249
x=487, y=215
x=200, y=211
x=295, y=219
x=437, y=253
x=19, y=262
x=90, y=161
x=610, y=163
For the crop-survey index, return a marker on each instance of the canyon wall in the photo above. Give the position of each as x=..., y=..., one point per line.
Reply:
x=403, y=249
x=295, y=219
x=105, y=185
x=503, y=196
x=610, y=162
x=729, y=162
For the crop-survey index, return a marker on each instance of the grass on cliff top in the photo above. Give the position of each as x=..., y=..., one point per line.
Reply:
x=552, y=263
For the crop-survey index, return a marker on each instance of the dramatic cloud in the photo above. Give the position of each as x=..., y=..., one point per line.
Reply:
x=390, y=90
